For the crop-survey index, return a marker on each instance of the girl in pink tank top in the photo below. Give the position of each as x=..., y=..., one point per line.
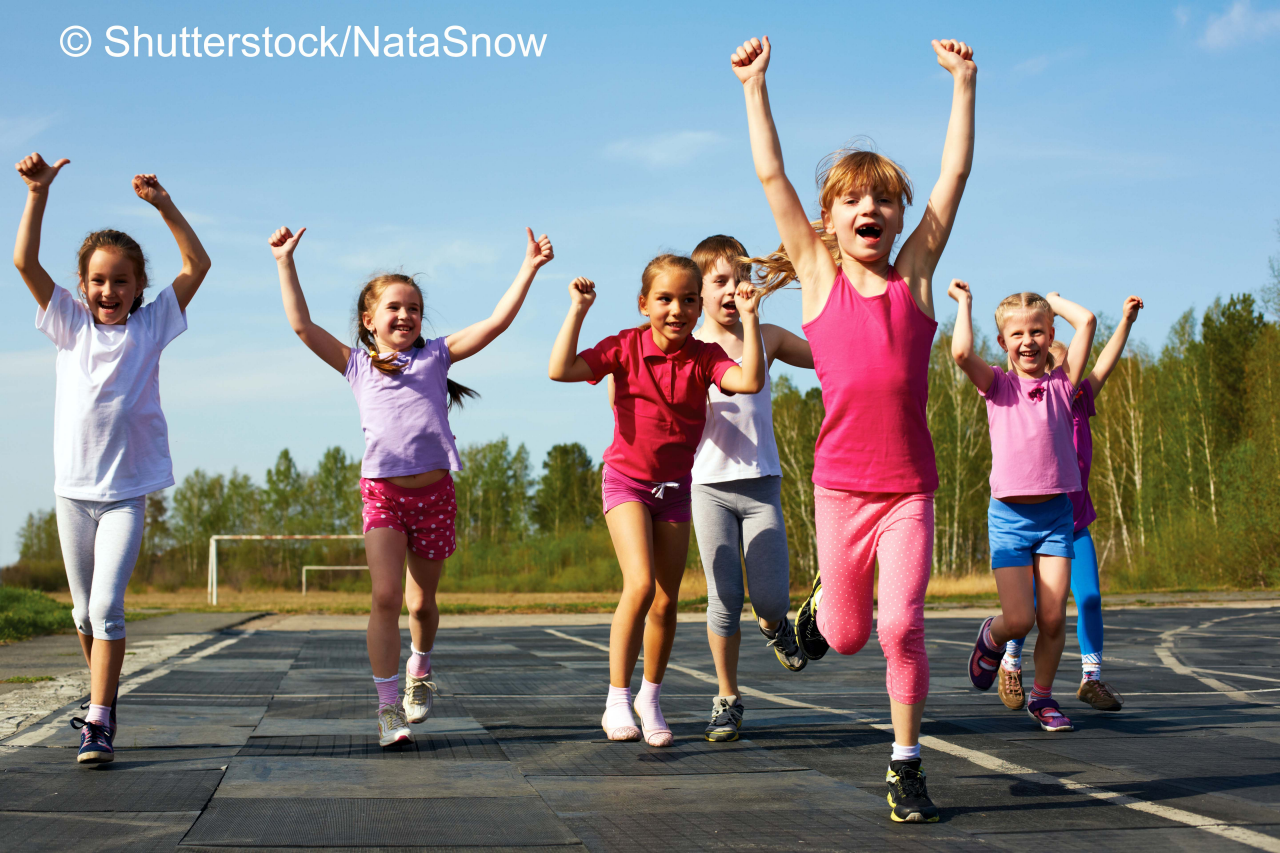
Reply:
x=870, y=324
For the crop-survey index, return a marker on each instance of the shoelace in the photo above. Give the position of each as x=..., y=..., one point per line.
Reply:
x=93, y=732
x=911, y=782
x=416, y=688
x=722, y=714
x=785, y=639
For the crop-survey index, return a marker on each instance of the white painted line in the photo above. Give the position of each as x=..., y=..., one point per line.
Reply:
x=1239, y=834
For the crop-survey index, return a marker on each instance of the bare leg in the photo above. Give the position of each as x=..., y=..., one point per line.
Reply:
x=104, y=672
x=1017, y=604
x=724, y=651
x=385, y=549
x=421, y=581
x=631, y=529
x=906, y=722
x=1053, y=582
x=670, y=551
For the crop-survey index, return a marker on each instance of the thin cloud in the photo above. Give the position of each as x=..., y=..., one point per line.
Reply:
x=1037, y=64
x=16, y=131
x=1241, y=23
x=664, y=150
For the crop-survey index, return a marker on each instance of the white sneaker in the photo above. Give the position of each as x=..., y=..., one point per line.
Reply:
x=419, y=693
x=392, y=727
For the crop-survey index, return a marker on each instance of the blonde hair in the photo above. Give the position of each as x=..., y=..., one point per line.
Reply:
x=668, y=263
x=113, y=241
x=722, y=246
x=1019, y=303
x=366, y=302
x=851, y=168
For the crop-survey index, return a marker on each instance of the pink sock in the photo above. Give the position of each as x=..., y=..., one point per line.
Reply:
x=388, y=690
x=419, y=662
x=99, y=714
x=617, y=709
x=1038, y=692
x=648, y=707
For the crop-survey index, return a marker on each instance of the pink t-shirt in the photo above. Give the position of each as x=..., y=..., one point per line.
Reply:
x=660, y=401
x=1032, y=447
x=1082, y=409
x=871, y=355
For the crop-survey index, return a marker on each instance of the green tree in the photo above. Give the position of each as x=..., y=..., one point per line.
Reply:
x=493, y=492
x=568, y=494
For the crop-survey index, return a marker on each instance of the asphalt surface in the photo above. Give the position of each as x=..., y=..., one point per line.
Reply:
x=265, y=740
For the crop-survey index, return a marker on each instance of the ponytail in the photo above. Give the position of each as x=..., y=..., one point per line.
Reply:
x=775, y=270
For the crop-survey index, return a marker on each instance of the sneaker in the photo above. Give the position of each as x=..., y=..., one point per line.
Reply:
x=419, y=693
x=984, y=661
x=726, y=719
x=1099, y=695
x=808, y=637
x=84, y=706
x=393, y=728
x=1047, y=714
x=908, y=796
x=1009, y=686
x=786, y=647
x=95, y=742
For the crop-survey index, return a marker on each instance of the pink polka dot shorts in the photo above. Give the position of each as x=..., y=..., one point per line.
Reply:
x=425, y=515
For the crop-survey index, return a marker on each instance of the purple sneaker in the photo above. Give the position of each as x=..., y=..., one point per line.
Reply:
x=985, y=660
x=1047, y=714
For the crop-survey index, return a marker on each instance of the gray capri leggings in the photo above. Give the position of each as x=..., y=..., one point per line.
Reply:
x=742, y=517
x=100, y=542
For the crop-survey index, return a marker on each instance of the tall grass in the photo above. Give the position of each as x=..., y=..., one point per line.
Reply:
x=27, y=613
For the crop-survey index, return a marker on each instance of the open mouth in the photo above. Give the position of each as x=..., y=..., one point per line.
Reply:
x=869, y=232
x=729, y=306
x=109, y=306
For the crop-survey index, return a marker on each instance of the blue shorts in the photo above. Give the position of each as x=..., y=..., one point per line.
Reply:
x=1017, y=531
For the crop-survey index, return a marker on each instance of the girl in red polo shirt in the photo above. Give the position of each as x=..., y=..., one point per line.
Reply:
x=661, y=374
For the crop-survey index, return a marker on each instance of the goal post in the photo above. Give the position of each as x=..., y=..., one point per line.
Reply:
x=212, y=592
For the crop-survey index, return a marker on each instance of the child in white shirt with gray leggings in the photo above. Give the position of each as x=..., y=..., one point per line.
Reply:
x=737, y=491
x=110, y=440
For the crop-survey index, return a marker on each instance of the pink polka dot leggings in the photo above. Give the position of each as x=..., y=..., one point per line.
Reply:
x=854, y=530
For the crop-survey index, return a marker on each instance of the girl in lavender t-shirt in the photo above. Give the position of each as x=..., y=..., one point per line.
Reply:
x=401, y=386
x=1033, y=469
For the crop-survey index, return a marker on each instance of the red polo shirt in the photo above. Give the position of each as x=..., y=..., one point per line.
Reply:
x=660, y=401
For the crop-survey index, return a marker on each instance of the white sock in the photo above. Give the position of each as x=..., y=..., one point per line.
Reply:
x=617, y=708
x=648, y=707
x=1012, y=655
x=905, y=753
x=1091, y=666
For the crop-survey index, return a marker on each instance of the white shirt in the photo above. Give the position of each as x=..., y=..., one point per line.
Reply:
x=110, y=439
x=737, y=442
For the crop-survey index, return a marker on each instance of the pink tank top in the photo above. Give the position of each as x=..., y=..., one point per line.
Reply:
x=871, y=355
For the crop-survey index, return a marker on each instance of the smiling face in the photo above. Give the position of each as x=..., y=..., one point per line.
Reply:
x=396, y=321
x=865, y=222
x=672, y=306
x=718, y=287
x=110, y=286
x=1026, y=336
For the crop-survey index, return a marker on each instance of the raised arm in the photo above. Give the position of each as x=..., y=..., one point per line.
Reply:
x=566, y=365
x=787, y=347
x=469, y=341
x=38, y=176
x=813, y=263
x=1110, y=355
x=920, y=253
x=1085, y=324
x=195, y=262
x=978, y=371
x=747, y=378
x=332, y=351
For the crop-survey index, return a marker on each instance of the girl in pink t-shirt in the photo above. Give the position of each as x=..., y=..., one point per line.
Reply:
x=660, y=374
x=401, y=385
x=870, y=325
x=1033, y=469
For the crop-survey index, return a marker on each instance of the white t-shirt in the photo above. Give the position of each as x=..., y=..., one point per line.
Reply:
x=737, y=442
x=110, y=439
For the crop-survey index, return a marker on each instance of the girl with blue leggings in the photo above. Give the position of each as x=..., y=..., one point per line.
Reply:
x=1093, y=690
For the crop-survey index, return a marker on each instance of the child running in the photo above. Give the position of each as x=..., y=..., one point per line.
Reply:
x=402, y=388
x=661, y=374
x=1085, y=589
x=870, y=324
x=110, y=439
x=1033, y=469
x=737, y=490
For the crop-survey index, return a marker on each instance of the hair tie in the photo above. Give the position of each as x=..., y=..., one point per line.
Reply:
x=419, y=343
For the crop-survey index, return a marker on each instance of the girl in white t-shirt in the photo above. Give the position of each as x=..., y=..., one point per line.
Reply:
x=110, y=440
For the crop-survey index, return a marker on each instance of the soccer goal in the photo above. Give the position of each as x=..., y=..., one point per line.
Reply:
x=213, y=551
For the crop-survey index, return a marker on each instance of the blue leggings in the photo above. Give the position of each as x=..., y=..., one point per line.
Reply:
x=1088, y=596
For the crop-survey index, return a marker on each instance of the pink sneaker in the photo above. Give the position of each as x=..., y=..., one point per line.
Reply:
x=1046, y=713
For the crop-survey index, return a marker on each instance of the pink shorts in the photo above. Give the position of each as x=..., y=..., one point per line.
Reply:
x=425, y=515
x=670, y=501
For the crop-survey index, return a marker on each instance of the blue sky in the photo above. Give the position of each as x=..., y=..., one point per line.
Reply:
x=1120, y=148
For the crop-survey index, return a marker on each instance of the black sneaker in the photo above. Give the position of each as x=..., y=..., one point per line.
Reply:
x=785, y=646
x=726, y=719
x=808, y=636
x=908, y=796
x=95, y=742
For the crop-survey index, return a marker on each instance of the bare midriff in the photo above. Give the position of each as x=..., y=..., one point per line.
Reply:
x=418, y=481
x=1024, y=499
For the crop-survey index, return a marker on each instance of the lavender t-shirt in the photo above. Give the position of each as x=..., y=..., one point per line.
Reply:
x=1032, y=451
x=404, y=415
x=1082, y=409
